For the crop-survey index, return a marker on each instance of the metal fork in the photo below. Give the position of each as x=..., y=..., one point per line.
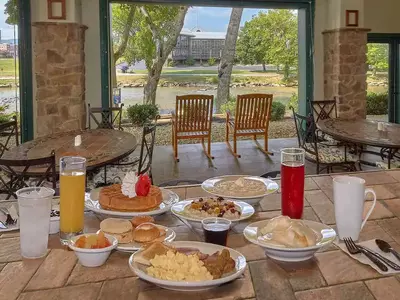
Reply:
x=353, y=249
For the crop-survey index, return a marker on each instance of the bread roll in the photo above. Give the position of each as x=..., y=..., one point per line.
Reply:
x=146, y=233
x=121, y=229
x=136, y=221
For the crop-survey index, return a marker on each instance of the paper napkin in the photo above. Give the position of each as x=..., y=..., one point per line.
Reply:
x=365, y=260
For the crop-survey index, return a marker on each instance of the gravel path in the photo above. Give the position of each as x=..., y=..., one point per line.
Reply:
x=277, y=129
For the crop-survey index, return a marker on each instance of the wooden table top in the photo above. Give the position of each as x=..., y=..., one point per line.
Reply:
x=362, y=131
x=99, y=147
x=330, y=275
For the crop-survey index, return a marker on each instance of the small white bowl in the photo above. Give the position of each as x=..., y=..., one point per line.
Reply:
x=93, y=257
x=54, y=225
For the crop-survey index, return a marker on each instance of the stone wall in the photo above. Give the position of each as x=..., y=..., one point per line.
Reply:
x=345, y=70
x=59, y=60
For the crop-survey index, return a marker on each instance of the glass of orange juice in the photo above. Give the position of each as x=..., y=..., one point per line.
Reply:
x=72, y=196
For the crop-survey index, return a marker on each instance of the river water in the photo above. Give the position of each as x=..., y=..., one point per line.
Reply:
x=166, y=95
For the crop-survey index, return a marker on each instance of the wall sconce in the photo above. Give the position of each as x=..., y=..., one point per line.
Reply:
x=351, y=18
x=56, y=10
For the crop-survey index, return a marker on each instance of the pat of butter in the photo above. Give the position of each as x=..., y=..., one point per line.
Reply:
x=78, y=140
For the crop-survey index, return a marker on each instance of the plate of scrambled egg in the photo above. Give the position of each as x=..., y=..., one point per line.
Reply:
x=188, y=265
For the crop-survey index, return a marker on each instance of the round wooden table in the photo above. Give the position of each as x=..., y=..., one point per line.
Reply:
x=363, y=132
x=99, y=146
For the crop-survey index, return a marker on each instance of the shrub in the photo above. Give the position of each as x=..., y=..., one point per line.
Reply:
x=171, y=63
x=211, y=61
x=377, y=103
x=293, y=102
x=189, y=61
x=4, y=117
x=277, y=111
x=213, y=80
x=139, y=114
x=230, y=105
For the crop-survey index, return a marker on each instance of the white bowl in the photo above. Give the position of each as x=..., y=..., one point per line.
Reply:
x=54, y=225
x=93, y=257
x=209, y=184
x=325, y=236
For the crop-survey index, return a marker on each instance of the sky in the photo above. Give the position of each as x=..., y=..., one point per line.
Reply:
x=214, y=18
x=7, y=31
x=203, y=18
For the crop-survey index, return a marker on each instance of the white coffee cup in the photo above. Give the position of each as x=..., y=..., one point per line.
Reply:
x=349, y=195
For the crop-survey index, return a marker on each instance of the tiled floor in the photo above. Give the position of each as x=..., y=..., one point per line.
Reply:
x=195, y=165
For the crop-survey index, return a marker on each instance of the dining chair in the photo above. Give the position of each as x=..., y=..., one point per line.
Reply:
x=114, y=173
x=147, y=149
x=192, y=119
x=324, y=156
x=105, y=118
x=16, y=173
x=8, y=130
x=272, y=174
x=252, y=116
x=322, y=110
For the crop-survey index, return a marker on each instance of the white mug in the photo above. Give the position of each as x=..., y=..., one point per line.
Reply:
x=349, y=195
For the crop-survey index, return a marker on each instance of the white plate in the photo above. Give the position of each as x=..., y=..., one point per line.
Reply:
x=178, y=209
x=92, y=203
x=271, y=186
x=140, y=270
x=325, y=236
x=170, y=235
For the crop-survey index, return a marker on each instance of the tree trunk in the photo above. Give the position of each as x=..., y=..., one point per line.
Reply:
x=163, y=49
x=264, y=67
x=228, y=57
x=122, y=46
x=286, y=72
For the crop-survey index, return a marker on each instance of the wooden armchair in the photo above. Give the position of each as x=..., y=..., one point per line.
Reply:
x=253, y=112
x=192, y=120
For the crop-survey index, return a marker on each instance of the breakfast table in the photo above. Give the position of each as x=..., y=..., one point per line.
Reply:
x=330, y=275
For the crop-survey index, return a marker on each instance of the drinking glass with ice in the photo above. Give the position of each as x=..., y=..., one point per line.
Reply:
x=34, y=218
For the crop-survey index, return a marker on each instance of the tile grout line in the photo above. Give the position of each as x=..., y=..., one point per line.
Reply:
x=23, y=289
x=370, y=289
x=100, y=290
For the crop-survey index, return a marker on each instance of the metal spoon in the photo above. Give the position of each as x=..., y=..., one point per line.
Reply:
x=385, y=247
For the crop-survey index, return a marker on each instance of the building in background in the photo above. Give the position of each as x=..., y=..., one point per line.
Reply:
x=198, y=45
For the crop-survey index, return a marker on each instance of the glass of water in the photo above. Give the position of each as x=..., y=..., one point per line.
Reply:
x=34, y=205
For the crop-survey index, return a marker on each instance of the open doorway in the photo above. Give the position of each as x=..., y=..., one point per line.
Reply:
x=383, y=97
x=271, y=55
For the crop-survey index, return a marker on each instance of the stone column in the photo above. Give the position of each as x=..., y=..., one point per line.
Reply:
x=345, y=70
x=59, y=60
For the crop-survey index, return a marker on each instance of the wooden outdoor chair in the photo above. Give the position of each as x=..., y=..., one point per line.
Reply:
x=8, y=130
x=253, y=112
x=192, y=120
x=106, y=118
x=15, y=173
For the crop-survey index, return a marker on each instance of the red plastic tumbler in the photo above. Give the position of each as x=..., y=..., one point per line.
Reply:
x=292, y=182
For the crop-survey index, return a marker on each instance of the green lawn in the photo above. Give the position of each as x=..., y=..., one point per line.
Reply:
x=7, y=67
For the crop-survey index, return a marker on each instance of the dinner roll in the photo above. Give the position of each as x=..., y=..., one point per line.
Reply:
x=121, y=229
x=136, y=221
x=146, y=232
